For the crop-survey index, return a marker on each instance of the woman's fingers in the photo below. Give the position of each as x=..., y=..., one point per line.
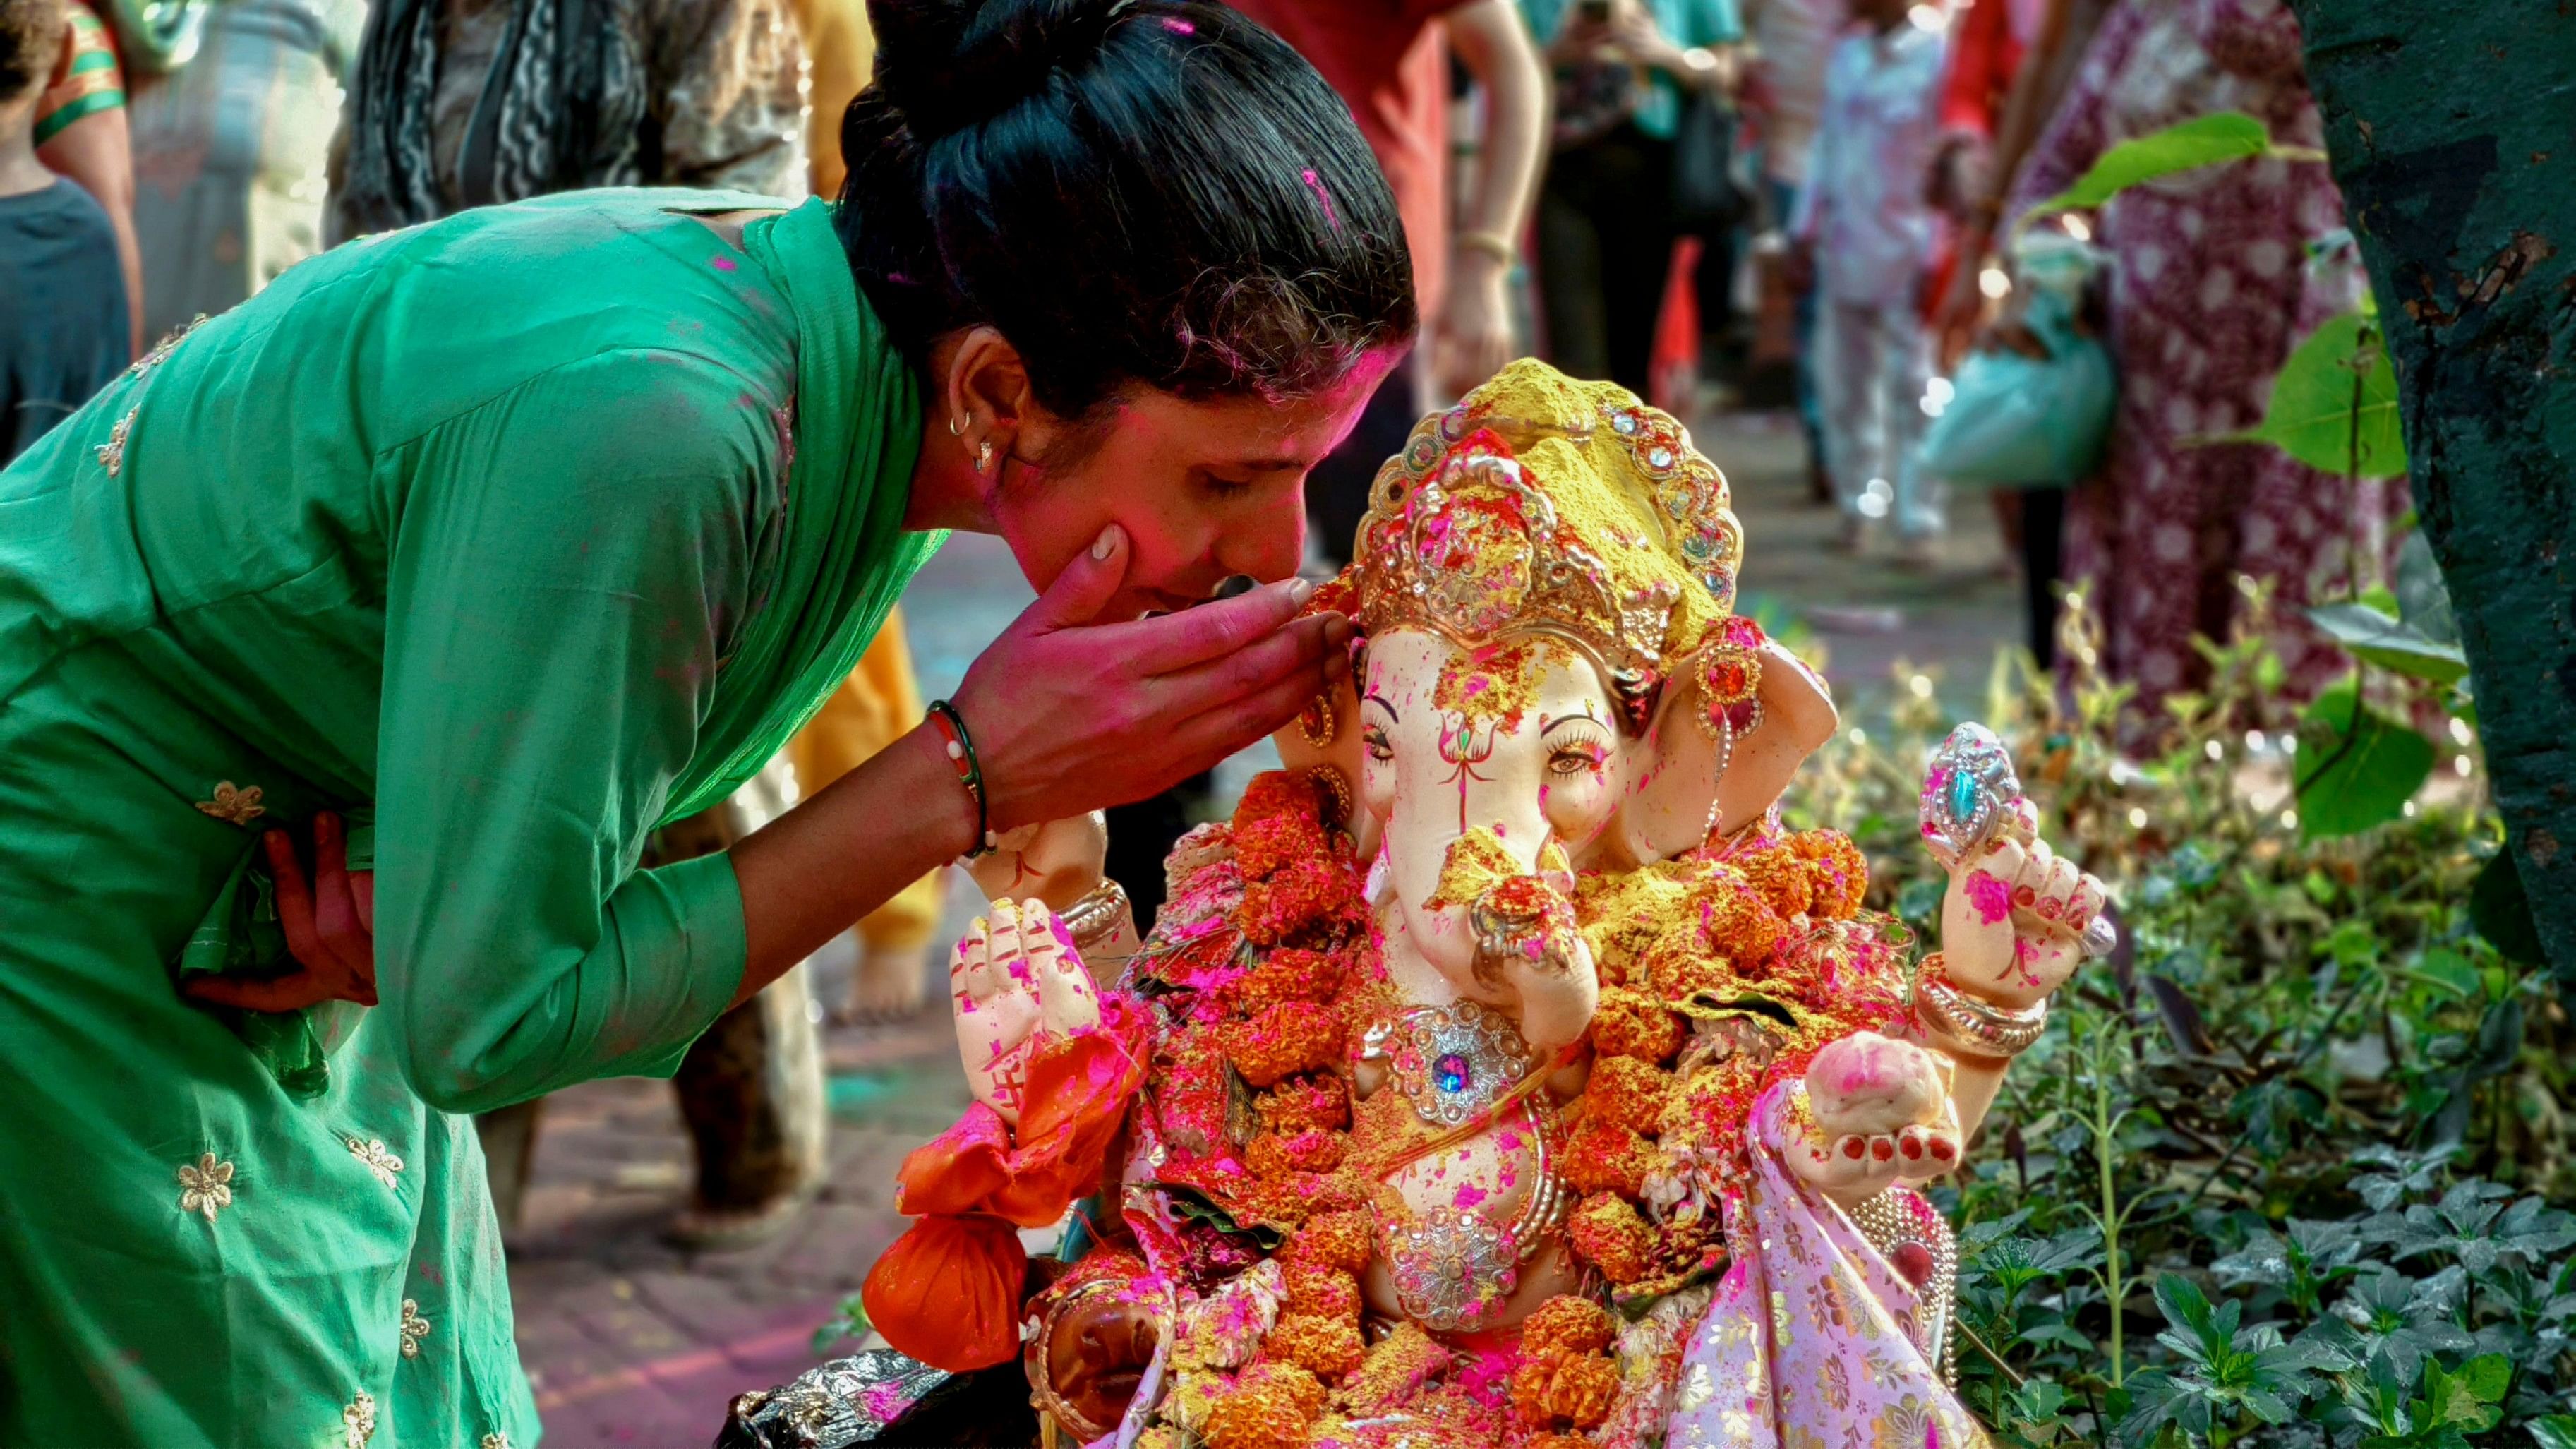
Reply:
x=295, y=914
x=362, y=888
x=1229, y=726
x=283, y=993
x=335, y=907
x=1211, y=630
x=1302, y=650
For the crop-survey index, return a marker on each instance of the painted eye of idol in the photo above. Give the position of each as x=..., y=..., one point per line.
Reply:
x=1373, y=736
x=1577, y=744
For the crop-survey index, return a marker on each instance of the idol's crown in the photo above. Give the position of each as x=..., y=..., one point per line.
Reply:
x=1543, y=505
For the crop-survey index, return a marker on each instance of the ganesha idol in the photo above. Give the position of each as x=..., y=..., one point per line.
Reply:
x=1505, y=1073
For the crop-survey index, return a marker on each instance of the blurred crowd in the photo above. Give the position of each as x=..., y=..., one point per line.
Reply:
x=1811, y=204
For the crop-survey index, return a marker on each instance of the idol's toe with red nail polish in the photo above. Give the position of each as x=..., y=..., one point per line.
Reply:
x=1883, y=1149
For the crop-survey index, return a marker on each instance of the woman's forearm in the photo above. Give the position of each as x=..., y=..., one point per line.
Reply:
x=813, y=872
x=1490, y=41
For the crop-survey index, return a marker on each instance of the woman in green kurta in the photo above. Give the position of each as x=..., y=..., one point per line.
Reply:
x=506, y=538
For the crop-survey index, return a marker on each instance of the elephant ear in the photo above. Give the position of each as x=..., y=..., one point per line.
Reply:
x=1668, y=807
x=1327, y=733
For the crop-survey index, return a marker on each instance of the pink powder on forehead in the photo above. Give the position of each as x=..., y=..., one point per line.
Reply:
x=1315, y=184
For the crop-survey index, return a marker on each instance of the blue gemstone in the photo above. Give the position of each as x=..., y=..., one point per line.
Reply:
x=1963, y=796
x=1449, y=1073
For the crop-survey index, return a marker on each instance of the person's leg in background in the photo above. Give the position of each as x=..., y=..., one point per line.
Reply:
x=872, y=709
x=1802, y=322
x=2043, y=529
x=1570, y=267
x=1846, y=410
x=751, y=1089
x=1920, y=505
x=1634, y=198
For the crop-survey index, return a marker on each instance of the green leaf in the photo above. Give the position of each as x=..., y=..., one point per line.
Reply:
x=2200, y=141
x=2501, y=912
x=2369, y=634
x=2357, y=768
x=2554, y=1431
x=2319, y=416
x=2448, y=970
x=2487, y=1377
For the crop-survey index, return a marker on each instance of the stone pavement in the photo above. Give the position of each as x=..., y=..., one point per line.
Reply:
x=632, y=1342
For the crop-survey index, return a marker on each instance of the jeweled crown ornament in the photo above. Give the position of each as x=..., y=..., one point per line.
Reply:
x=1542, y=505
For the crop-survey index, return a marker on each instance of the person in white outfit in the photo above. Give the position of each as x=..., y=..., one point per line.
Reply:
x=1866, y=229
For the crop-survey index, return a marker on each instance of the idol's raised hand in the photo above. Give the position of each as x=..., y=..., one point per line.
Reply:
x=1070, y=711
x=1015, y=985
x=2018, y=918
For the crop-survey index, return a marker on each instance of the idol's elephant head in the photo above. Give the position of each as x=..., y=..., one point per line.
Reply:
x=1548, y=683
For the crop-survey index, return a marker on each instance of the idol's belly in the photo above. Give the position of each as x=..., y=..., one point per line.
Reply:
x=1480, y=1242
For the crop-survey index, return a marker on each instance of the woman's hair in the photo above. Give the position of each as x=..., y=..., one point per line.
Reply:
x=1153, y=191
x=31, y=40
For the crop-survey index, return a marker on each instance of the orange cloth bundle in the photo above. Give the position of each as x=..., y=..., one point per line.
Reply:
x=948, y=1291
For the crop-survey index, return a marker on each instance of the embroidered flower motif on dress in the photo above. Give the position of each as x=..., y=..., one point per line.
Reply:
x=111, y=454
x=379, y=1161
x=240, y=805
x=358, y=1421
x=414, y=1328
x=206, y=1188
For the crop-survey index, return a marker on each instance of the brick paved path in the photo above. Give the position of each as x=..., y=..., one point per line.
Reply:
x=629, y=1341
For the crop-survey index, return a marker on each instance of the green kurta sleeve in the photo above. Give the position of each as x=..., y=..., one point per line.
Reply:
x=569, y=563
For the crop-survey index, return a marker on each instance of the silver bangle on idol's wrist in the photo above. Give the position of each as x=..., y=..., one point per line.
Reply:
x=1967, y=1026
x=1097, y=916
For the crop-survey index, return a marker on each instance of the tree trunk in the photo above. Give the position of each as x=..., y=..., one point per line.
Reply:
x=2452, y=129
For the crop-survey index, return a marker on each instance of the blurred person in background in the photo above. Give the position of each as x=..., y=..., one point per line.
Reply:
x=2010, y=64
x=1605, y=217
x=64, y=325
x=1390, y=63
x=462, y=103
x=879, y=702
x=2209, y=294
x=1782, y=91
x=231, y=151
x=81, y=135
x=1864, y=233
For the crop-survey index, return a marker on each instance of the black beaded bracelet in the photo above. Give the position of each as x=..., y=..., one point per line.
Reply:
x=944, y=717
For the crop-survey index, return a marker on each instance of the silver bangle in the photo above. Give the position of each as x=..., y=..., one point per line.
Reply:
x=1976, y=1028
x=1095, y=917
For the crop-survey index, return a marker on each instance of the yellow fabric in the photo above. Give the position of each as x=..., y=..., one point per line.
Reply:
x=840, y=53
x=877, y=705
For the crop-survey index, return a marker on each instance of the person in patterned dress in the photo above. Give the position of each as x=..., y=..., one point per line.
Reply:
x=2210, y=293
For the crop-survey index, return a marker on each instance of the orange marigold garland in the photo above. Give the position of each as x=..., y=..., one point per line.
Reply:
x=1608, y=1233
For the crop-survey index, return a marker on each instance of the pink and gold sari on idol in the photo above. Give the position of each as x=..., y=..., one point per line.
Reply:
x=1815, y=1339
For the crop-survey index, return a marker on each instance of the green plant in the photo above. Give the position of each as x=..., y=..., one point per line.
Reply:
x=2308, y=1121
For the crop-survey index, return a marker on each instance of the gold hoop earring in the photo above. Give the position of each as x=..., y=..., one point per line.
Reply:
x=957, y=425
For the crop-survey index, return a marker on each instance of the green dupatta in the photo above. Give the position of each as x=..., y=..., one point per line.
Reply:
x=845, y=562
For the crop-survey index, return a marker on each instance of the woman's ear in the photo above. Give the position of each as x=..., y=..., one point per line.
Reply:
x=1668, y=807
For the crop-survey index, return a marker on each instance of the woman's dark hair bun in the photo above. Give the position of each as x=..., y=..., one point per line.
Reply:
x=1154, y=191
x=950, y=63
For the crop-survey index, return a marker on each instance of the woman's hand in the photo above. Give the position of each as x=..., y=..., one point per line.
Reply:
x=1474, y=337
x=1069, y=715
x=330, y=930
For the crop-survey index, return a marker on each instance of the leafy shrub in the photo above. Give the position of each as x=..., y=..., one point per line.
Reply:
x=2285, y=1170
